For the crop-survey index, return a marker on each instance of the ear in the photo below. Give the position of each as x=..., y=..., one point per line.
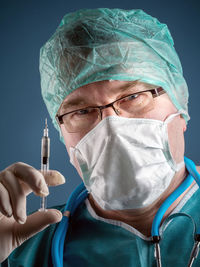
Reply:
x=183, y=123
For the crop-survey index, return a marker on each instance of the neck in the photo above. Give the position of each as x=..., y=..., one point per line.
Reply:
x=141, y=219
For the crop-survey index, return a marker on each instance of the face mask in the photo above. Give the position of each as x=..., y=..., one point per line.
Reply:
x=126, y=162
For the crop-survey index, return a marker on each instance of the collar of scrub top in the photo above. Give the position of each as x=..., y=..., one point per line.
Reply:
x=80, y=194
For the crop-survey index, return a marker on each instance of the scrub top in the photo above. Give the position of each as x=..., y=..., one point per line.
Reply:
x=93, y=241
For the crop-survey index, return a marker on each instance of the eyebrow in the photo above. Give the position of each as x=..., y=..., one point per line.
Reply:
x=78, y=101
x=82, y=101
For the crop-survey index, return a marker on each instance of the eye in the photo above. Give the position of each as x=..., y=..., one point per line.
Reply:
x=87, y=112
x=82, y=112
x=132, y=97
x=129, y=98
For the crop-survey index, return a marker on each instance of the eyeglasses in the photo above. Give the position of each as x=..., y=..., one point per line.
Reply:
x=130, y=106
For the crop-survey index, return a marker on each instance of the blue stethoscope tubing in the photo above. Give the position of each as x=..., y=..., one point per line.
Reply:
x=77, y=197
x=80, y=194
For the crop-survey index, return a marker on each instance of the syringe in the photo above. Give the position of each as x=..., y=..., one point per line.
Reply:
x=45, y=154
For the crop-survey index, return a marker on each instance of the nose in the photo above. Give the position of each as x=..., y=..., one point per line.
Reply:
x=108, y=111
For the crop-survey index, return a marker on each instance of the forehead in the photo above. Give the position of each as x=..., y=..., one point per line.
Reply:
x=108, y=87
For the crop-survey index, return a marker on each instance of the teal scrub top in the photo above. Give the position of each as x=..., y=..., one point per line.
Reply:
x=93, y=241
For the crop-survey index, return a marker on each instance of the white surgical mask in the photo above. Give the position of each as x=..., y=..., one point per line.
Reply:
x=126, y=163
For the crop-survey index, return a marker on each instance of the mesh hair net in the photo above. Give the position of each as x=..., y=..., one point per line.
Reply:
x=101, y=44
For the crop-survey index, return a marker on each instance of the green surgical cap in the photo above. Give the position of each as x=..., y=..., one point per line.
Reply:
x=93, y=45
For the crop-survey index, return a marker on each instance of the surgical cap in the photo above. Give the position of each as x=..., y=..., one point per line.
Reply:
x=92, y=45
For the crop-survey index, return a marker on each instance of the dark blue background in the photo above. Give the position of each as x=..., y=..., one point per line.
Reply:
x=25, y=27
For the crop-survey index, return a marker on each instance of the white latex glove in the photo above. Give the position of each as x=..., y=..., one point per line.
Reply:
x=16, y=182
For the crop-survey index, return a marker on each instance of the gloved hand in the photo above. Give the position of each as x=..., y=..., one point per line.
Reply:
x=16, y=182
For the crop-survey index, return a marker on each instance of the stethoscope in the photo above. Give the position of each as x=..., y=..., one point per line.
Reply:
x=80, y=194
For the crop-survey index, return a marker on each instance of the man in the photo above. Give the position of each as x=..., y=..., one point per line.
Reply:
x=113, y=86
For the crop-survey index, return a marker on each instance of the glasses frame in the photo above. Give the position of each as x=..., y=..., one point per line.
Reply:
x=155, y=92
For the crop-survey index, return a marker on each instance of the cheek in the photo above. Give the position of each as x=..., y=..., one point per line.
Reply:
x=162, y=108
x=176, y=139
x=71, y=139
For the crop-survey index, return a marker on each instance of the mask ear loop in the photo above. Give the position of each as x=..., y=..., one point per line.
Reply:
x=171, y=117
x=168, y=120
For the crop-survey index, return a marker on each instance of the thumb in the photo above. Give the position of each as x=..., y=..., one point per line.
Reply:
x=35, y=223
x=53, y=177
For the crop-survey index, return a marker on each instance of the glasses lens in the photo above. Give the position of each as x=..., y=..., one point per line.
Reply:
x=81, y=120
x=136, y=104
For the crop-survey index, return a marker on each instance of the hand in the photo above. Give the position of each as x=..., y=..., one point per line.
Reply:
x=16, y=182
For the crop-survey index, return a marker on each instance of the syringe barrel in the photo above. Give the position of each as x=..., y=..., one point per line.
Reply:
x=45, y=147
